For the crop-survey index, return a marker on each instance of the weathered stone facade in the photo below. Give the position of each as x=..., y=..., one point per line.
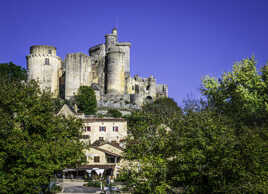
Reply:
x=104, y=129
x=106, y=69
x=44, y=66
x=105, y=135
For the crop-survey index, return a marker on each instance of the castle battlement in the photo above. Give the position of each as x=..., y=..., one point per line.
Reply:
x=106, y=69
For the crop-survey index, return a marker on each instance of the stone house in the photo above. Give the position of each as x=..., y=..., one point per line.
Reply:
x=107, y=156
x=105, y=135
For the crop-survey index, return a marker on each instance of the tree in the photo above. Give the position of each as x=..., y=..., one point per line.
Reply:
x=12, y=72
x=163, y=109
x=215, y=146
x=148, y=146
x=244, y=91
x=209, y=158
x=114, y=113
x=34, y=142
x=241, y=96
x=86, y=100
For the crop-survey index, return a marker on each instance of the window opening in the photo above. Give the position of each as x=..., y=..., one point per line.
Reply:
x=115, y=128
x=102, y=128
x=96, y=159
x=46, y=61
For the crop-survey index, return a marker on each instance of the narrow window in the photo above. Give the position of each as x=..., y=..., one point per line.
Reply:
x=46, y=61
x=115, y=128
x=49, y=52
x=88, y=128
x=102, y=128
x=96, y=159
x=85, y=137
x=110, y=160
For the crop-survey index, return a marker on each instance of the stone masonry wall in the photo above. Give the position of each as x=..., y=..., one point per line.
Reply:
x=78, y=73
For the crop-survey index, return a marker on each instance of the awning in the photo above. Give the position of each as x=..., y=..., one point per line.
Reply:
x=69, y=170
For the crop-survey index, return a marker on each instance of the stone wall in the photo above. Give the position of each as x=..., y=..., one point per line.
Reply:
x=44, y=66
x=106, y=69
x=108, y=135
x=115, y=71
x=78, y=73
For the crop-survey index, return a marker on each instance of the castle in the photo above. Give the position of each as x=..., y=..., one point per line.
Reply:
x=106, y=69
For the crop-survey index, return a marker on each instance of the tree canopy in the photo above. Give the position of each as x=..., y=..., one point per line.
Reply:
x=12, y=72
x=114, y=113
x=164, y=110
x=34, y=142
x=215, y=146
x=86, y=100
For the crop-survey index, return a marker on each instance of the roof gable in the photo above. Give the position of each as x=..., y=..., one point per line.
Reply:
x=66, y=111
x=111, y=148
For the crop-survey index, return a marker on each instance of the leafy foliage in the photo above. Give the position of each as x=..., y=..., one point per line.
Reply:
x=164, y=110
x=211, y=158
x=12, y=72
x=244, y=91
x=149, y=147
x=58, y=103
x=86, y=100
x=34, y=142
x=218, y=146
x=114, y=113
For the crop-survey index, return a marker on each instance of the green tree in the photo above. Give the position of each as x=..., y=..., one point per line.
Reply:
x=34, y=142
x=241, y=96
x=12, y=72
x=149, y=146
x=114, y=113
x=86, y=100
x=165, y=110
x=209, y=157
x=218, y=146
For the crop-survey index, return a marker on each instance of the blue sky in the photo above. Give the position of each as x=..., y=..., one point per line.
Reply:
x=177, y=41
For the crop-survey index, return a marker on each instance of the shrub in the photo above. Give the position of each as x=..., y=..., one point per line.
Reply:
x=114, y=113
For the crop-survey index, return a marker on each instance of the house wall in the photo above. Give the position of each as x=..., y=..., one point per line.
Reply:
x=108, y=135
x=94, y=152
x=111, y=148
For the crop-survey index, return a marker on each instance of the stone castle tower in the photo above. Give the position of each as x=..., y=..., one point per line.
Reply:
x=44, y=66
x=106, y=69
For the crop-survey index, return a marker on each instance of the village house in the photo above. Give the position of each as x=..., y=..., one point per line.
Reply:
x=105, y=135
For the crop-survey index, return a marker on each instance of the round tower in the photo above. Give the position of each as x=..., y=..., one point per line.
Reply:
x=111, y=39
x=115, y=71
x=152, y=87
x=44, y=66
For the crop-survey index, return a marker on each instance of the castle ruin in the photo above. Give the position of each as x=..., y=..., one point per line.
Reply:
x=106, y=69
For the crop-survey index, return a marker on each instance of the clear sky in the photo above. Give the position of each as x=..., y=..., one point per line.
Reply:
x=177, y=41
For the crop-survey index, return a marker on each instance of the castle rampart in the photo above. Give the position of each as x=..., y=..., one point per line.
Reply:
x=78, y=73
x=115, y=71
x=44, y=66
x=106, y=69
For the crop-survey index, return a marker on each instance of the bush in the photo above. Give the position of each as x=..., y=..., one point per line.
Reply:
x=93, y=184
x=114, y=113
x=55, y=189
x=86, y=100
x=122, y=177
